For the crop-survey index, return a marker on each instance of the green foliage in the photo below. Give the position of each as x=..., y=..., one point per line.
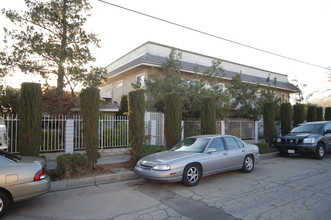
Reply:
x=243, y=98
x=10, y=100
x=147, y=150
x=319, y=114
x=263, y=147
x=208, y=116
x=69, y=165
x=136, y=107
x=327, y=115
x=89, y=100
x=172, y=119
x=298, y=114
x=311, y=113
x=124, y=106
x=191, y=88
x=286, y=118
x=30, y=138
x=49, y=39
x=269, y=122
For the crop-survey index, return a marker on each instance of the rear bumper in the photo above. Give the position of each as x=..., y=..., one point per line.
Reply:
x=28, y=190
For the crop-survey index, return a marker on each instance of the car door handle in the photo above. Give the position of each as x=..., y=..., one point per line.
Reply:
x=225, y=154
x=243, y=151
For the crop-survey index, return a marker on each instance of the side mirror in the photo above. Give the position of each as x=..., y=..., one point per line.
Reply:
x=211, y=150
x=328, y=131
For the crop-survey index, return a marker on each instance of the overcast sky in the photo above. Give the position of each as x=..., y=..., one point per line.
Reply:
x=298, y=29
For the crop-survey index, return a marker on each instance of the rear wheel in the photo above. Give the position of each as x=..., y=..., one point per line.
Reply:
x=248, y=164
x=4, y=203
x=191, y=175
x=320, y=151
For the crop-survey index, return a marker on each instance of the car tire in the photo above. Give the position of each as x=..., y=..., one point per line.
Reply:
x=248, y=164
x=320, y=151
x=192, y=174
x=4, y=203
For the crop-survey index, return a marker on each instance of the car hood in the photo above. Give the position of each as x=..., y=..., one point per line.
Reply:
x=301, y=135
x=165, y=157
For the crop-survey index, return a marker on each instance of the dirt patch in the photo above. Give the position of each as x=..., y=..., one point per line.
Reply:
x=101, y=169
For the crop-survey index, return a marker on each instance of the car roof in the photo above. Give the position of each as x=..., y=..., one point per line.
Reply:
x=210, y=136
x=315, y=122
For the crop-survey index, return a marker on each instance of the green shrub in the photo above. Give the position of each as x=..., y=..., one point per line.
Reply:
x=30, y=119
x=208, y=116
x=147, y=150
x=263, y=147
x=69, y=165
x=319, y=113
x=172, y=118
x=298, y=114
x=327, y=115
x=136, y=105
x=286, y=118
x=311, y=113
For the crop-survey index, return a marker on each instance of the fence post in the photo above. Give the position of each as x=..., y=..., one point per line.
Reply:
x=222, y=127
x=69, y=136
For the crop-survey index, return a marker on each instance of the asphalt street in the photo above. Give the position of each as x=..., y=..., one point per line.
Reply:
x=278, y=188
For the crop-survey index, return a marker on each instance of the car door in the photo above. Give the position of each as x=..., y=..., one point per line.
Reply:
x=327, y=137
x=235, y=152
x=215, y=161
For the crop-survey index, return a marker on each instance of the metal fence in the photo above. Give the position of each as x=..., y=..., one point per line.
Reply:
x=60, y=133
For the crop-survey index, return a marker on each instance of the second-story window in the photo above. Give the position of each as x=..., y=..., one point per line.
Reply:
x=141, y=80
x=119, y=83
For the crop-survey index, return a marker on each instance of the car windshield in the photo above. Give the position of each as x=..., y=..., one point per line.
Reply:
x=10, y=156
x=308, y=128
x=196, y=145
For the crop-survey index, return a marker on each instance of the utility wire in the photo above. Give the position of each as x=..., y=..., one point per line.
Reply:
x=214, y=36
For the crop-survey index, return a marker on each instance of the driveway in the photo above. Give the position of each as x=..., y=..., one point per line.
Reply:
x=278, y=188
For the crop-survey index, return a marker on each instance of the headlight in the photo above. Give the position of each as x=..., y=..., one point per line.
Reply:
x=309, y=140
x=161, y=167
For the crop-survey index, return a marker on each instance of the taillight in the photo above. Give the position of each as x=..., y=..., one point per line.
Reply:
x=40, y=175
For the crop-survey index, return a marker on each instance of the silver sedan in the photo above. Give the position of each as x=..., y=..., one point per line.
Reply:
x=21, y=178
x=197, y=157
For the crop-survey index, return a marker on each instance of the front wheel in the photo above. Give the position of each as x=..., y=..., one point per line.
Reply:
x=4, y=203
x=191, y=175
x=320, y=151
x=248, y=164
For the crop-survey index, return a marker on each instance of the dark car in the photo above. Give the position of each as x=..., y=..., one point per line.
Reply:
x=307, y=138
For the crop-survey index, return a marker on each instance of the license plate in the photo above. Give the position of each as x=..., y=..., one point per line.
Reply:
x=290, y=151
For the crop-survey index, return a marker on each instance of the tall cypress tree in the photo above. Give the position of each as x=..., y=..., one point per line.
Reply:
x=136, y=108
x=172, y=118
x=286, y=118
x=30, y=138
x=319, y=114
x=90, y=111
x=327, y=114
x=269, y=122
x=298, y=114
x=311, y=113
x=208, y=116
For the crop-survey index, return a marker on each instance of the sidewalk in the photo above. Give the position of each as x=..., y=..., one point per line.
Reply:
x=120, y=174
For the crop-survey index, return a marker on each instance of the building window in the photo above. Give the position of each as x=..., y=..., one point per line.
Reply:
x=141, y=80
x=119, y=83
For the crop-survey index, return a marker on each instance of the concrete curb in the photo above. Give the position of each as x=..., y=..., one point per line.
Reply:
x=122, y=175
x=92, y=181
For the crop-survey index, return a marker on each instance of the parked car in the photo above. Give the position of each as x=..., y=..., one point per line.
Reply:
x=21, y=178
x=307, y=138
x=196, y=157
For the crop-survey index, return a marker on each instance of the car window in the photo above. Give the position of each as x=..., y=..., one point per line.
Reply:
x=240, y=143
x=217, y=143
x=308, y=128
x=327, y=127
x=231, y=143
x=197, y=145
x=10, y=156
